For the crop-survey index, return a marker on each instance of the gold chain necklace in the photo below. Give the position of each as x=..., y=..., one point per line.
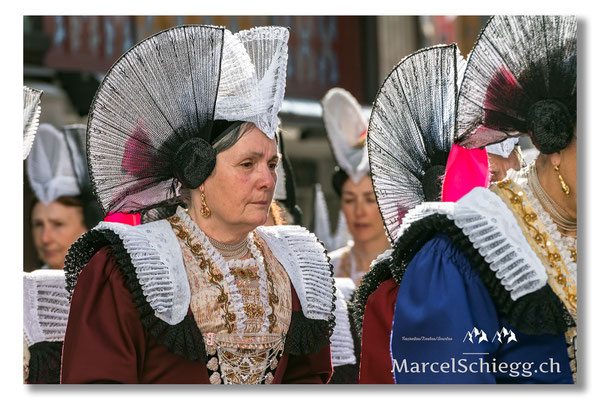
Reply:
x=273, y=298
x=549, y=204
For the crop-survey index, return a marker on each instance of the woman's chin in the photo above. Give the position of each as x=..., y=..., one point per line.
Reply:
x=361, y=235
x=256, y=219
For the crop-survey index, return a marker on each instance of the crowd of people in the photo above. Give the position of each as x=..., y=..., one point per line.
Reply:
x=174, y=250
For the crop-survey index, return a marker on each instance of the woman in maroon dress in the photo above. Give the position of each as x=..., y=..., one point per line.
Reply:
x=206, y=295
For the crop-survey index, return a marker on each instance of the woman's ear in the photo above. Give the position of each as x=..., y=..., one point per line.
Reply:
x=555, y=159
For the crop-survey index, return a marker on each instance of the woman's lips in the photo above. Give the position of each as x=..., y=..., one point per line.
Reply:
x=50, y=253
x=361, y=226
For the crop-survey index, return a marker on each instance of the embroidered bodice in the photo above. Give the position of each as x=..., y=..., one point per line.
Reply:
x=242, y=307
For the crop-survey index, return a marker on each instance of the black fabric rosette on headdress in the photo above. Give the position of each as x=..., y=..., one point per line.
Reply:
x=521, y=78
x=411, y=131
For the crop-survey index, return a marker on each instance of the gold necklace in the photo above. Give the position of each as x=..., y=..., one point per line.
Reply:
x=549, y=204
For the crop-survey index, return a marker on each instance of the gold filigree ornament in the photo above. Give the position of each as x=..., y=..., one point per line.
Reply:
x=206, y=265
x=571, y=338
x=559, y=278
x=573, y=252
x=273, y=298
x=250, y=365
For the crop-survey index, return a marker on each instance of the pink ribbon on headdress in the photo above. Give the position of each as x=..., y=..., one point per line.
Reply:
x=139, y=158
x=123, y=218
x=465, y=169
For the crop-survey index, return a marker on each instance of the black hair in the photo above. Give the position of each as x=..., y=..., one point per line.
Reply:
x=432, y=182
x=550, y=125
x=338, y=179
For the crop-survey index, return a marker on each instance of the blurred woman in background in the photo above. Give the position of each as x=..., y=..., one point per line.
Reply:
x=63, y=210
x=346, y=130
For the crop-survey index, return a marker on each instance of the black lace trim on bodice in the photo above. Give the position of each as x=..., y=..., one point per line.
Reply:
x=539, y=312
x=44, y=362
x=305, y=336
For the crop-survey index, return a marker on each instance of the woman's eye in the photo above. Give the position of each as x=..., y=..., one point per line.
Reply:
x=246, y=164
x=273, y=166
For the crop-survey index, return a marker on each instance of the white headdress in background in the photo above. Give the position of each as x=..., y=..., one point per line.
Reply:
x=504, y=148
x=49, y=166
x=346, y=126
x=321, y=226
x=31, y=116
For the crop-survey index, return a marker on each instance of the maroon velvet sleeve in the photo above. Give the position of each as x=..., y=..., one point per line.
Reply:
x=312, y=368
x=105, y=339
x=375, y=358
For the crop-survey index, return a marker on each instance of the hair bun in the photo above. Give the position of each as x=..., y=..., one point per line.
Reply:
x=194, y=161
x=432, y=182
x=550, y=126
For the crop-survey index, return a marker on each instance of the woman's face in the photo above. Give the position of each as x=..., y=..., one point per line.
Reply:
x=360, y=209
x=499, y=165
x=240, y=190
x=55, y=228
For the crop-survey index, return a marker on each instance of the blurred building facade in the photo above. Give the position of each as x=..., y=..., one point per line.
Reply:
x=67, y=57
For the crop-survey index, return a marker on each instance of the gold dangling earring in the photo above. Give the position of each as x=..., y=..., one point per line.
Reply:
x=204, y=210
x=565, y=188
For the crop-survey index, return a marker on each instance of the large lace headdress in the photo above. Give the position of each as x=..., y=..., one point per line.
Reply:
x=521, y=78
x=412, y=128
x=156, y=114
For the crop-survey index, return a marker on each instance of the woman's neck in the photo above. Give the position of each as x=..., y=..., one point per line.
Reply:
x=365, y=252
x=217, y=229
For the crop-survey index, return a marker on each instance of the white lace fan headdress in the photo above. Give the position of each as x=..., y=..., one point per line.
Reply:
x=253, y=73
x=31, y=116
x=521, y=79
x=346, y=125
x=411, y=131
x=172, y=96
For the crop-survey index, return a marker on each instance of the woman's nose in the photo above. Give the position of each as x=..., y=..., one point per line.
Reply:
x=360, y=209
x=267, y=178
x=47, y=236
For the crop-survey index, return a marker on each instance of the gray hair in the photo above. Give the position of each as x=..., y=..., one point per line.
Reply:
x=226, y=142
